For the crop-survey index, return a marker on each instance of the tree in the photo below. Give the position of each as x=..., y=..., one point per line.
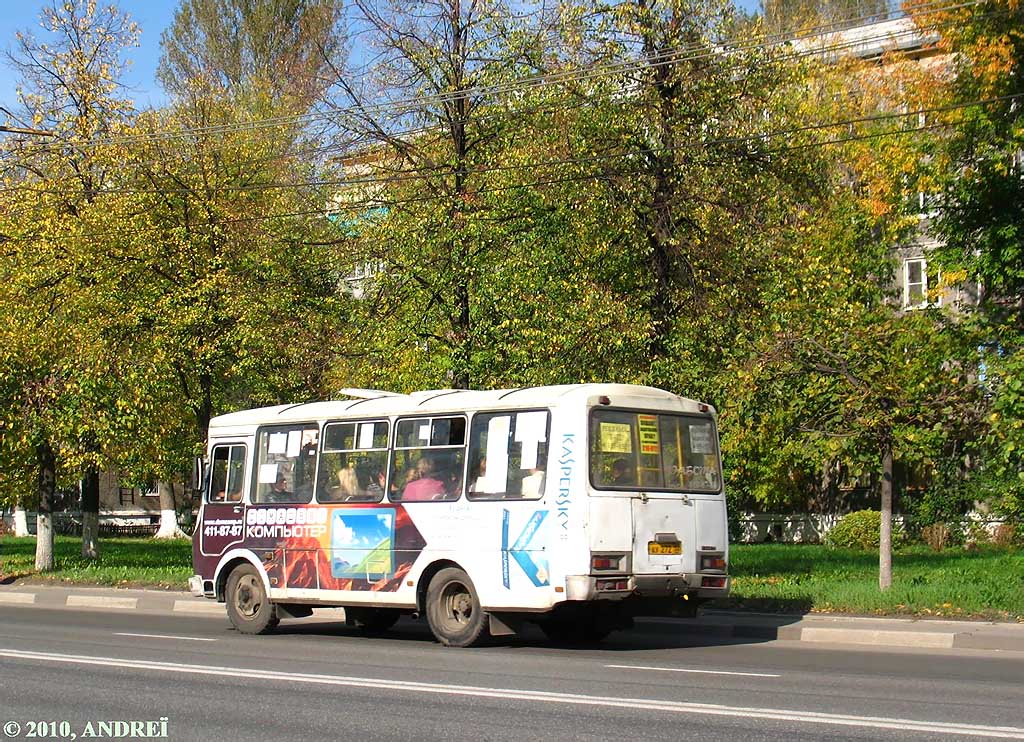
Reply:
x=285, y=47
x=69, y=88
x=233, y=297
x=429, y=130
x=977, y=168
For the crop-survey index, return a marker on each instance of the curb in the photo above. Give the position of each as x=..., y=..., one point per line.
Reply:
x=110, y=599
x=852, y=631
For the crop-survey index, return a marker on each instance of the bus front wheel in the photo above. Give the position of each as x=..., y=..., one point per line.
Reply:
x=249, y=609
x=453, y=609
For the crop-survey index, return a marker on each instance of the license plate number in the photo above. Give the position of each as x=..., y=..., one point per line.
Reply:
x=658, y=549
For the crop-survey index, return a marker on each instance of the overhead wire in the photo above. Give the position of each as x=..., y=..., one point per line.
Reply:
x=376, y=202
x=691, y=52
x=412, y=132
x=415, y=174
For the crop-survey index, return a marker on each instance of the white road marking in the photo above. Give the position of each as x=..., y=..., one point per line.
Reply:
x=931, y=639
x=700, y=672
x=166, y=636
x=191, y=606
x=505, y=694
x=19, y=598
x=101, y=601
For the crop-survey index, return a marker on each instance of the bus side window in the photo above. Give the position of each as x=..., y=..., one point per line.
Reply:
x=219, y=474
x=227, y=474
x=429, y=459
x=286, y=463
x=353, y=462
x=508, y=455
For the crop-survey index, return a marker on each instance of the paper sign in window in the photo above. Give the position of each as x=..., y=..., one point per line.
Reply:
x=294, y=443
x=268, y=473
x=531, y=426
x=424, y=432
x=700, y=439
x=648, y=430
x=531, y=431
x=366, y=435
x=616, y=438
x=494, y=478
x=277, y=443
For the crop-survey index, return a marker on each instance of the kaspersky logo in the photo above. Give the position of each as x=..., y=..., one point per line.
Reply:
x=537, y=570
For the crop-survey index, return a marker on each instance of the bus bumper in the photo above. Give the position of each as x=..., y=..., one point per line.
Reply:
x=590, y=587
x=195, y=586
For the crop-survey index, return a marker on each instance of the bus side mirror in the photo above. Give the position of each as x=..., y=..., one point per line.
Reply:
x=196, y=482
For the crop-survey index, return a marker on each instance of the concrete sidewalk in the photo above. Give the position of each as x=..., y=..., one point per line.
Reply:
x=731, y=625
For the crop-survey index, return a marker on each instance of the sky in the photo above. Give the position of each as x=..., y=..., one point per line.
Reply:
x=153, y=16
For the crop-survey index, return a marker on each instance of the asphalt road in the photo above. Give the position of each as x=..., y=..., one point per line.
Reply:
x=318, y=680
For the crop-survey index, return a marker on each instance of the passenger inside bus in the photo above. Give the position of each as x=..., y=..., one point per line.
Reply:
x=622, y=474
x=480, y=481
x=279, y=491
x=425, y=484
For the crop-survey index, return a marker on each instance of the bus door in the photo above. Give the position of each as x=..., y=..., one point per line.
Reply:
x=223, y=519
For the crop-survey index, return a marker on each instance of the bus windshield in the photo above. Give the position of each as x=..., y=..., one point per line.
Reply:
x=653, y=451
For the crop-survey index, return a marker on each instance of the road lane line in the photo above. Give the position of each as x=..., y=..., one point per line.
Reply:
x=165, y=636
x=701, y=672
x=505, y=694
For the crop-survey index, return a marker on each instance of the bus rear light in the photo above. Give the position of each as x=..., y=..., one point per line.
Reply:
x=713, y=581
x=712, y=562
x=612, y=585
x=606, y=562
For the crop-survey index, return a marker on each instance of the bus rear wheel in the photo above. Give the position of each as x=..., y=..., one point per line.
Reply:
x=453, y=609
x=249, y=609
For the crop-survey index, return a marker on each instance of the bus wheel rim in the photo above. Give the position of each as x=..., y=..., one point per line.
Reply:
x=247, y=597
x=458, y=605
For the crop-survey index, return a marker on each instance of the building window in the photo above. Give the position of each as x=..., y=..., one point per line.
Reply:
x=915, y=284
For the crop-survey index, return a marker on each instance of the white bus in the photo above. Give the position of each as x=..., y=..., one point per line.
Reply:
x=575, y=507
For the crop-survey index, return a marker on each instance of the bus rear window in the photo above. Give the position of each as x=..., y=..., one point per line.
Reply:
x=653, y=451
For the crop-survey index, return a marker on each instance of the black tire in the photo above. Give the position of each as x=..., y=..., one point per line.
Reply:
x=453, y=609
x=249, y=609
x=372, y=620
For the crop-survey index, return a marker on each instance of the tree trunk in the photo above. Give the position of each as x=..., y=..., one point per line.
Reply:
x=47, y=461
x=91, y=514
x=168, y=513
x=20, y=520
x=885, y=530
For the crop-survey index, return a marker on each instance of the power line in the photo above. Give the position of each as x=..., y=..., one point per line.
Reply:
x=815, y=50
x=672, y=56
x=550, y=181
x=414, y=175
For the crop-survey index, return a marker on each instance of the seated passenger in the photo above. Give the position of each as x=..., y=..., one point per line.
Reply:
x=426, y=486
x=533, y=484
x=278, y=491
x=622, y=474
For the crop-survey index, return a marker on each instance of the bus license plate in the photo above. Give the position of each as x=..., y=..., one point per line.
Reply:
x=668, y=549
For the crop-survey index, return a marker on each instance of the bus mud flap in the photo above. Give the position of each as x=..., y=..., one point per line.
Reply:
x=504, y=624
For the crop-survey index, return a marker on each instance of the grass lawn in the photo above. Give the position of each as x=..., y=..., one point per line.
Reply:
x=983, y=583
x=986, y=583
x=123, y=562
